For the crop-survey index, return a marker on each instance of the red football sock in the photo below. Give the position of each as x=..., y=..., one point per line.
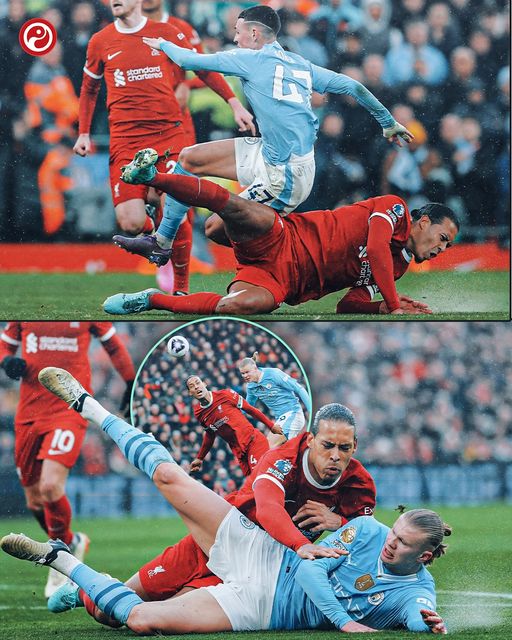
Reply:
x=194, y=191
x=87, y=602
x=180, y=256
x=149, y=225
x=203, y=303
x=58, y=519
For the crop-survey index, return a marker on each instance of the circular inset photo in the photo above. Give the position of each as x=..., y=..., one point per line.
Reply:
x=219, y=392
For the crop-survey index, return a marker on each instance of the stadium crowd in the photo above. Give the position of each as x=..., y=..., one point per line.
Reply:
x=422, y=394
x=163, y=407
x=441, y=67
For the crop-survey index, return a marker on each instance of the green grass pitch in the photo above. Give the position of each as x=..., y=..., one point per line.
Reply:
x=473, y=579
x=451, y=295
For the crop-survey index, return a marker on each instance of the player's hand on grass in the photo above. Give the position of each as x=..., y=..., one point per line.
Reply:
x=315, y=516
x=396, y=133
x=408, y=306
x=154, y=43
x=196, y=465
x=434, y=621
x=14, y=367
x=243, y=118
x=311, y=551
x=356, y=627
x=82, y=145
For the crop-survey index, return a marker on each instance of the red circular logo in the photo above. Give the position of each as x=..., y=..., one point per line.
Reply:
x=37, y=37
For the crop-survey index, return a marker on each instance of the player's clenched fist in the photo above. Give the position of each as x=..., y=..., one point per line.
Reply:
x=196, y=465
x=82, y=145
x=14, y=367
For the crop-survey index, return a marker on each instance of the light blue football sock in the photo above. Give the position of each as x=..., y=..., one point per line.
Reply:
x=111, y=596
x=174, y=213
x=141, y=449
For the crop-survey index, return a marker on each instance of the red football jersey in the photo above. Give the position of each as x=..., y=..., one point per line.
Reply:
x=223, y=417
x=331, y=246
x=140, y=81
x=50, y=344
x=191, y=35
x=352, y=495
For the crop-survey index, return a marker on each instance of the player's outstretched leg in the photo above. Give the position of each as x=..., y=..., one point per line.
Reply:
x=244, y=299
x=110, y=595
x=202, y=510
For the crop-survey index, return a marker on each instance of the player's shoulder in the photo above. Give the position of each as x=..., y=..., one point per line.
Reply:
x=186, y=28
x=362, y=528
x=165, y=30
x=392, y=203
x=104, y=35
x=290, y=451
x=357, y=474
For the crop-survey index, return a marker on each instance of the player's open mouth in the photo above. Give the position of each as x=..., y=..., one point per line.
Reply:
x=433, y=254
x=386, y=554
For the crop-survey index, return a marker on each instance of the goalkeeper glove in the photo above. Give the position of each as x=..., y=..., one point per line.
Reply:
x=14, y=367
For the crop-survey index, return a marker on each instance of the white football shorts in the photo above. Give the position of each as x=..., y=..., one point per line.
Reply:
x=292, y=422
x=248, y=560
x=282, y=187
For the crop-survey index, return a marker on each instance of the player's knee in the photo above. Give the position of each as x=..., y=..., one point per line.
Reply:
x=246, y=303
x=190, y=160
x=168, y=473
x=51, y=490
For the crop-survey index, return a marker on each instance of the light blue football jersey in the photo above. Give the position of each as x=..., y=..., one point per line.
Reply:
x=278, y=391
x=329, y=592
x=278, y=85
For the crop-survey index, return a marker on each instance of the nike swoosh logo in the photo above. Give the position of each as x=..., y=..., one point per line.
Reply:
x=113, y=55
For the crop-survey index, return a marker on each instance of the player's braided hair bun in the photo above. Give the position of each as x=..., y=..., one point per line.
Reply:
x=434, y=528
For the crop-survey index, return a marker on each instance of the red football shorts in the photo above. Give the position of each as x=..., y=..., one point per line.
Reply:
x=267, y=261
x=255, y=450
x=122, y=152
x=179, y=566
x=60, y=441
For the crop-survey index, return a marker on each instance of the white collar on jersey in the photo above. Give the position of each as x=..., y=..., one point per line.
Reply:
x=310, y=478
x=407, y=256
x=393, y=577
x=121, y=29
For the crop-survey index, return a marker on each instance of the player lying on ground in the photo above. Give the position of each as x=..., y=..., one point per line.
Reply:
x=280, y=393
x=365, y=246
x=277, y=169
x=220, y=414
x=384, y=582
x=297, y=491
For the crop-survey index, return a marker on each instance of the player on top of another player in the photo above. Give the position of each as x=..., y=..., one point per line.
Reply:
x=143, y=104
x=277, y=169
x=220, y=414
x=309, y=485
x=365, y=246
x=280, y=393
x=366, y=576
x=48, y=437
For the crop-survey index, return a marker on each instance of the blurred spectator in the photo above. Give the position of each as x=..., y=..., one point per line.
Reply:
x=415, y=59
x=53, y=111
x=335, y=17
x=407, y=170
x=444, y=32
x=462, y=77
x=295, y=38
x=376, y=34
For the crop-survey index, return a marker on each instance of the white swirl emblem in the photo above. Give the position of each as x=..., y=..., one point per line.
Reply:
x=37, y=37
